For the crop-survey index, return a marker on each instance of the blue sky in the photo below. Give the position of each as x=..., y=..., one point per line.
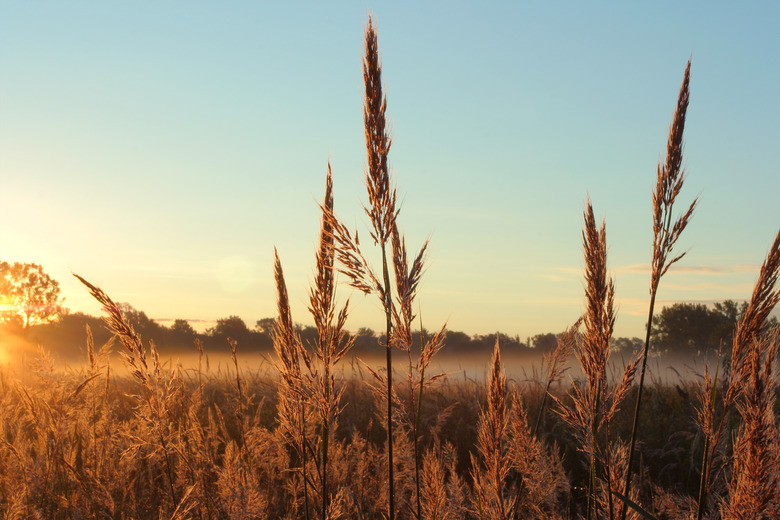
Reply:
x=162, y=149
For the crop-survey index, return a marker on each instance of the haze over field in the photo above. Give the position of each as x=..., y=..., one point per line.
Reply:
x=163, y=155
x=161, y=151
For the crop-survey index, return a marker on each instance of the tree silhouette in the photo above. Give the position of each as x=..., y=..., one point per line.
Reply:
x=231, y=327
x=146, y=327
x=266, y=325
x=182, y=329
x=627, y=346
x=544, y=342
x=694, y=327
x=29, y=294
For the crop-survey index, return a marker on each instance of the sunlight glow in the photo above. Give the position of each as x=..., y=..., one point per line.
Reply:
x=7, y=307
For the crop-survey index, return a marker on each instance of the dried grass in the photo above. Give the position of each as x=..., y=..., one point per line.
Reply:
x=304, y=443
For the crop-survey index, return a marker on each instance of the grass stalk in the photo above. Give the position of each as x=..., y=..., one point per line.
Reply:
x=669, y=182
x=554, y=362
x=750, y=335
x=592, y=481
x=134, y=355
x=304, y=461
x=331, y=345
x=705, y=463
x=288, y=347
x=490, y=477
x=596, y=401
x=382, y=212
x=389, y=362
x=428, y=348
x=416, y=428
x=325, y=439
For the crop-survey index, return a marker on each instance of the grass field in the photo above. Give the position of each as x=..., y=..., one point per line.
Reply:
x=88, y=444
x=317, y=435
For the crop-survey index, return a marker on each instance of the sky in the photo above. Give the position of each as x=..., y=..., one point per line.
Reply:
x=161, y=150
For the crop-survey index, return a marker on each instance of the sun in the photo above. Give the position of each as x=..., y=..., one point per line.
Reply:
x=8, y=307
x=11, y=346
x=7, y=339
x=7, y=303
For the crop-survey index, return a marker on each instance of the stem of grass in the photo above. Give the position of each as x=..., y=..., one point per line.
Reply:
x=417, y=422
x=388, y=349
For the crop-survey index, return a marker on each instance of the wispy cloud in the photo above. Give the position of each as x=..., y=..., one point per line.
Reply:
x=562, y=274
x=565, y=273
x=639, y=306
x=197, y=323
x=555, y=277
x=727, y=288
x=709, y=270
x=162, y=270
x=562, y=300
x=495, y=298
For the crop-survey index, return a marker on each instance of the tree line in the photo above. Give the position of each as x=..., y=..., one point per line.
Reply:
x=33, y=309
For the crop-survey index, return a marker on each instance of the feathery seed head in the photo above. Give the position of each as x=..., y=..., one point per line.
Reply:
x=766, y=296
x=135, y=354
x=322, y=293
x=599, y=317
x=670, y=178
x=381, y=197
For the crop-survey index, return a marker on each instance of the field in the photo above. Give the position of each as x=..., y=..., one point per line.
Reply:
x=207, y=443
x=316, y=433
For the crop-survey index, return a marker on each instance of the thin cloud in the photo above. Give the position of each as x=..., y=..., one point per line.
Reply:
x=714, y=269
x=505, y=299
x=171, y=320
x=555, y=277
x=643, y=269
x=733, y=288
x=561, y=274
x=178, y=271
x=563, y=300
x=709, y=270
x=639, y=306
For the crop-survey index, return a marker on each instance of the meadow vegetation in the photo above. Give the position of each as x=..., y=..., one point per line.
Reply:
x=300, y=439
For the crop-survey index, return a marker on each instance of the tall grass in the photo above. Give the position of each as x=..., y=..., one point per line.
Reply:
x=84, y=448
x=666, y=231
x=305, y=442
x=597, y=401
x=332, y=343
x=490, y=498
x=382, y=213
x=308, y=386
x=748, y=385
x=293, y=392
x=397, y=299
